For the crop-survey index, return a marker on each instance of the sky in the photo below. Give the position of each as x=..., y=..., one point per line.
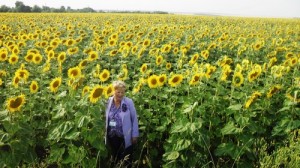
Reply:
x=247, y=8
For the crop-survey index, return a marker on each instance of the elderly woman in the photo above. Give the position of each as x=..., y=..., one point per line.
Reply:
x=121, y=125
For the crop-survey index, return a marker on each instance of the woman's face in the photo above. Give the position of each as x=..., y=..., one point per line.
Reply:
x=119, y=93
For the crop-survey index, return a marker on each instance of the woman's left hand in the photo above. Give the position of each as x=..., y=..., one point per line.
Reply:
x=134, y=140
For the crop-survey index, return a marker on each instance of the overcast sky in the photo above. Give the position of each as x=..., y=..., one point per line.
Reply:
x=252, y=8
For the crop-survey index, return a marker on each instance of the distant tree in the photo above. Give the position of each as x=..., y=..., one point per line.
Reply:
x=36, y=9
x=69, y=9
x=20, y=7
x=87, y=10
x=46, y=9
x=4, y=8
x=62, y=9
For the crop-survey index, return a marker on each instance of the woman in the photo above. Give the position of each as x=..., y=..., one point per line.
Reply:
x=121, y=125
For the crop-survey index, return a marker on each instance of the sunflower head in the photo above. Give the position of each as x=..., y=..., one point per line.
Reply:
x=34, y=87
x=54, y=84
x=237, y=79
x=15, y=103
x=104, y=75
x=96, y=93
x=175, y=80
x=153, y=81
x=74, y=72
x=143, y=68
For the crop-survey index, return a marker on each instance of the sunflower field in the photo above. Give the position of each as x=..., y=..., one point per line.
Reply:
x=210, y=91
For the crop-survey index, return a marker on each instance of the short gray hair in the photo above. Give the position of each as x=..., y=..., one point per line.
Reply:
x=119, y=84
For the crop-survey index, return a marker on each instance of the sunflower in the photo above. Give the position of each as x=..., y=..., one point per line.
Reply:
x=73, y=50
x=74, y=72
x=87, y=50
x=13, y=59
x=175, y=80
x=85, y=90
x=50, y=54
x=61, y=57
x=143, y=68
x=104, y=75
x=123, y=75
x=175, y=50
x=23, y=74
x=3, y=54
x=159, y=60
x=16, y=50
x=134, y=49
x=166, y=48
x=37, y=59
x=153, y=81
x=70, y=42
x=15, y=103
x=83, y=63
x=253, y=74
x=273, y=90
x=54, y=84
x=93, y=55
x=237, y=79
x=34, y=87
x=96, y=93
x=112, y=42
x=209, y=70
x=2, y=73
x=194, y=59
x=146, y=43
x=168, y=66
x=205, y=54
x=29, y=57
x=226, y=70
x=252, y=98
x=162, y=79
x=16, y=81
x=114, y=36
x=257, y=46
x=109, y=90
x=272, y=61
x=196, y=79
x=289, y=55
x=113, y=52
x=129, y=44
x=292, y=61
x=245, y=64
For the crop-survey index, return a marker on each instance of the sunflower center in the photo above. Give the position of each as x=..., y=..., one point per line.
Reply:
x=175, y=80
x=97, y=93
x=3, y=55
x=15, y=103
x=104, y=75
x=153, y=82
x=56, y=84
x=74, y=73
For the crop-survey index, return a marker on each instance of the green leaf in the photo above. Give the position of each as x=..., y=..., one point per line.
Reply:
x=61, y=112
x=230, y=129
x=56, y=154
x=84, y=120
x=235, y=107
x=171, y=155
x=72, y=135
x=60, y=131
x=227, y=149
x=182, y=144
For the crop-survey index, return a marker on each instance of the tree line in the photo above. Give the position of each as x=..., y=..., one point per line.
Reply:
x=20, y=7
